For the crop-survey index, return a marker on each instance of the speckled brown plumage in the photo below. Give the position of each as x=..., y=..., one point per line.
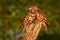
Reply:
x=33, y=22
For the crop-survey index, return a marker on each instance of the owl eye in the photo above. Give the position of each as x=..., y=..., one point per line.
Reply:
x=30, y=8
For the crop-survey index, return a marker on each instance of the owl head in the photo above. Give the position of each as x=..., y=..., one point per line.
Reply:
x=33, y=8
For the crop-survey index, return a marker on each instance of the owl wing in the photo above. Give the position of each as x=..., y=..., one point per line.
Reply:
x=42, y=19
x=28, y=19
x=25, y=20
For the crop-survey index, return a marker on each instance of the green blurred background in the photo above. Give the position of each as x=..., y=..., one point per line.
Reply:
x=12, y=13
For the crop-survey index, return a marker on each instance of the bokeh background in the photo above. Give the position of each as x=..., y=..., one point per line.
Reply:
x=12, y=13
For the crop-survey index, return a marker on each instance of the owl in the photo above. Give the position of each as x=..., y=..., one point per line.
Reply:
x=35, y=14
x=39, y=15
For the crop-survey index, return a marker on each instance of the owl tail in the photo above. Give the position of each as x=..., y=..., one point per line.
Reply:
x=45, y=26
